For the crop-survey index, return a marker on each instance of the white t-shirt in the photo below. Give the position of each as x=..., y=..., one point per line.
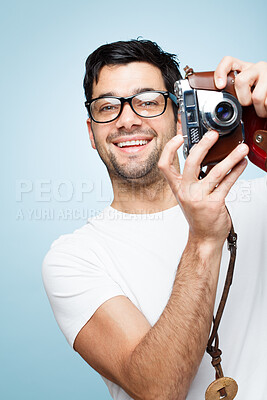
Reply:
x=137, y=256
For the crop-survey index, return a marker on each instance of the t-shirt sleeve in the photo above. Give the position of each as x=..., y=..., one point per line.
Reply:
x=76, y=284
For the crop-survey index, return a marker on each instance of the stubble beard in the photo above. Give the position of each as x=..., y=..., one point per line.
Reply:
x=136, y=173
x=143, y=173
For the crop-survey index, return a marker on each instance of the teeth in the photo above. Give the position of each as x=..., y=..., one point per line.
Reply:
x=132, y=143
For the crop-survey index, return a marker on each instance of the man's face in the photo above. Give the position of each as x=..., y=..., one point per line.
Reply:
x=138, y=161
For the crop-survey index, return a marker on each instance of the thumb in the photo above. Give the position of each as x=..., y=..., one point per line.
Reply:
x=166, y=162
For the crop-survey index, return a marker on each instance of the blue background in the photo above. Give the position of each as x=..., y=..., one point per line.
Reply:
x=51, y=179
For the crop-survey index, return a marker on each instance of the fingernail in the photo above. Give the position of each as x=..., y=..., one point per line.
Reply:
x=219, y=82
x=242, y=148
x=210, y=134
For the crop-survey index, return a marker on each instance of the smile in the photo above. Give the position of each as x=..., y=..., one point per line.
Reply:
x=132, y=143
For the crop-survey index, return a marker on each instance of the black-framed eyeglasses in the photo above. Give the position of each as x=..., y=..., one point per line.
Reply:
x=147, y=104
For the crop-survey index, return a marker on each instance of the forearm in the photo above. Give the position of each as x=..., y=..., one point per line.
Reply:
x=164, y=363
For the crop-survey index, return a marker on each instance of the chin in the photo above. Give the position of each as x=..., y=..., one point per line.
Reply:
x=139, y=178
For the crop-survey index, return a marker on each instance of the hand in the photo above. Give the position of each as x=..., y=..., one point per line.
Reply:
x=203, y=201
x=250, y=82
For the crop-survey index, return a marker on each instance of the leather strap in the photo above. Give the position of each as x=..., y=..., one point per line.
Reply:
x=213, y=349
x=205, y=81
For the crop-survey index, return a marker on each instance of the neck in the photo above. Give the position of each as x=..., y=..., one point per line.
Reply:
x=133, y=197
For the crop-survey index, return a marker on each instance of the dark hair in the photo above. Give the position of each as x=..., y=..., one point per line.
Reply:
x=124, y=52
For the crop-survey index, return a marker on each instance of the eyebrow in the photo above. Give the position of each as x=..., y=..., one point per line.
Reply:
x=135, y=91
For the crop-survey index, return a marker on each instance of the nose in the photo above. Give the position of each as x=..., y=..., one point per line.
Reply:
x=128, y=119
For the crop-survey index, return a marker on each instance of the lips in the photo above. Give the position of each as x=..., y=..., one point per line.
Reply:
x=132, y=144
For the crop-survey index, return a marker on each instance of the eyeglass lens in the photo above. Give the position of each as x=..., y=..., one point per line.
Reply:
x=146, y=104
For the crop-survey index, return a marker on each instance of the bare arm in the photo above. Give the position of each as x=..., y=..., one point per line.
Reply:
x=156, y=362
x=160, y=362
x=166, y=360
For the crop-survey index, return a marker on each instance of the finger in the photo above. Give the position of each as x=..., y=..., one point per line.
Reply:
x=208, y=169
x=227, y=65
x=169, y=151
x=251, y=87
x=220, y=171
x=259, y=94
x=166, y=162
x=243, y=85
x=197, y=155
x=223, y=189
x=260, y=105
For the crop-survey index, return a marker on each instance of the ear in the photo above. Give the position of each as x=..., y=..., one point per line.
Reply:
x=91, y=136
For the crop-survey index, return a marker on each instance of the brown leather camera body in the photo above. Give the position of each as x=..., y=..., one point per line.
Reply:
x=255, y=128
x=256, y=137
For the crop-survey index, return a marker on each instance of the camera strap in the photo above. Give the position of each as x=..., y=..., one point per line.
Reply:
x=222, y=387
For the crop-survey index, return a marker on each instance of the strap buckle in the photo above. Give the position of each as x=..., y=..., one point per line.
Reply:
x=232, y=240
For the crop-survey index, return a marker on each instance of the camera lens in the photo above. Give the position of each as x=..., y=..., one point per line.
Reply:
x=219, y=110
x=224, y=111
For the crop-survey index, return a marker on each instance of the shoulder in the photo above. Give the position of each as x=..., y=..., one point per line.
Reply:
x=75, y=279
x=79, y=250
x=75, y=243
x=82, y=240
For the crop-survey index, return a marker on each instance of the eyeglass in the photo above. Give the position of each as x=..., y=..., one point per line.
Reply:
x=148, y=104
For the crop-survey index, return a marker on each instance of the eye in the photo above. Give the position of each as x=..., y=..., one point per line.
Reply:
x=105, y=108
x=148, y=103
x=148, y=100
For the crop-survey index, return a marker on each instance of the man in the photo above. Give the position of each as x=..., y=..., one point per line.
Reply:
x=114, y=285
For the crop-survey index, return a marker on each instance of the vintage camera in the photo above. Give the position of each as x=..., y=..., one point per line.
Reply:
x=203, y=107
